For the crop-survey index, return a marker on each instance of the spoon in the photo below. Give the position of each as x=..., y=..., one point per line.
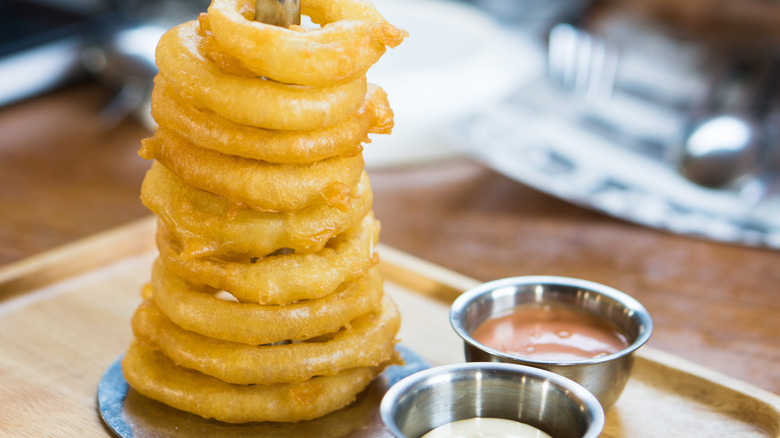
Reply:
x=722, y=149
x=724, y=146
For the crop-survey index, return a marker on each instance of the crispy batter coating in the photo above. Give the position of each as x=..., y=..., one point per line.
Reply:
x=154, y=375
x=280, y=278
x=367, y=341
x=207, y=129
x=209, y=225
x=200, y=311
x=291, y=107
x=352, y=37
x=260, y=185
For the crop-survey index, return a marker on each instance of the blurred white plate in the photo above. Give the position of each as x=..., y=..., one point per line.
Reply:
x=456, y=60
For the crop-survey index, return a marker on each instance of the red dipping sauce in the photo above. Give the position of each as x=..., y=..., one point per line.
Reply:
x=550, y=332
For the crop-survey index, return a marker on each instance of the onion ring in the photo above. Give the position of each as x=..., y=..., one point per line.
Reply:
x=260, y=185
x=368, y=341
x=280, y=279
x=197, y=310
x=210, y=225
x=152, y=415
x=154, y=375
x=352, y=38
x=290, y=107
x=206, y=129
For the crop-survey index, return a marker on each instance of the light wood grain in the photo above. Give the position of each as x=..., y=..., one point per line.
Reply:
x=75, y=258
x=56, y=341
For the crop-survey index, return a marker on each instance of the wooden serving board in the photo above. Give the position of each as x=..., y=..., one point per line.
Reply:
x=65, y=318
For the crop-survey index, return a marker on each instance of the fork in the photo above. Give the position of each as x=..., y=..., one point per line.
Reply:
x=580, y=62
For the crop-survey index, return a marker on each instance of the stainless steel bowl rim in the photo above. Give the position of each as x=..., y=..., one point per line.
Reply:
x=578, y=391
x=458, y=308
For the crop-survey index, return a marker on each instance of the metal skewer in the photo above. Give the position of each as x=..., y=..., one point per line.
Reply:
x=281, y=13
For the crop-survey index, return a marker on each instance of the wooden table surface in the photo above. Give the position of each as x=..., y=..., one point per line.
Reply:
x=64, y=177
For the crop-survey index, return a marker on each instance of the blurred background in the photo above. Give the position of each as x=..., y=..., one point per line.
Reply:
x=658, y=112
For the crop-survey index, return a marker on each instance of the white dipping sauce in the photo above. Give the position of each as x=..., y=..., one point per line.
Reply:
x=486, y=428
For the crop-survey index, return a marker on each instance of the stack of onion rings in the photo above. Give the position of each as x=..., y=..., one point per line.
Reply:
x=264, y=303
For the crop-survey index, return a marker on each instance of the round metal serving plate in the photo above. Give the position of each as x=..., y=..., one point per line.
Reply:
x=130, y=414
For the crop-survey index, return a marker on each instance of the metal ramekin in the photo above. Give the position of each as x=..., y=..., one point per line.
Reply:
x=437, y=396
x=604, y=376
